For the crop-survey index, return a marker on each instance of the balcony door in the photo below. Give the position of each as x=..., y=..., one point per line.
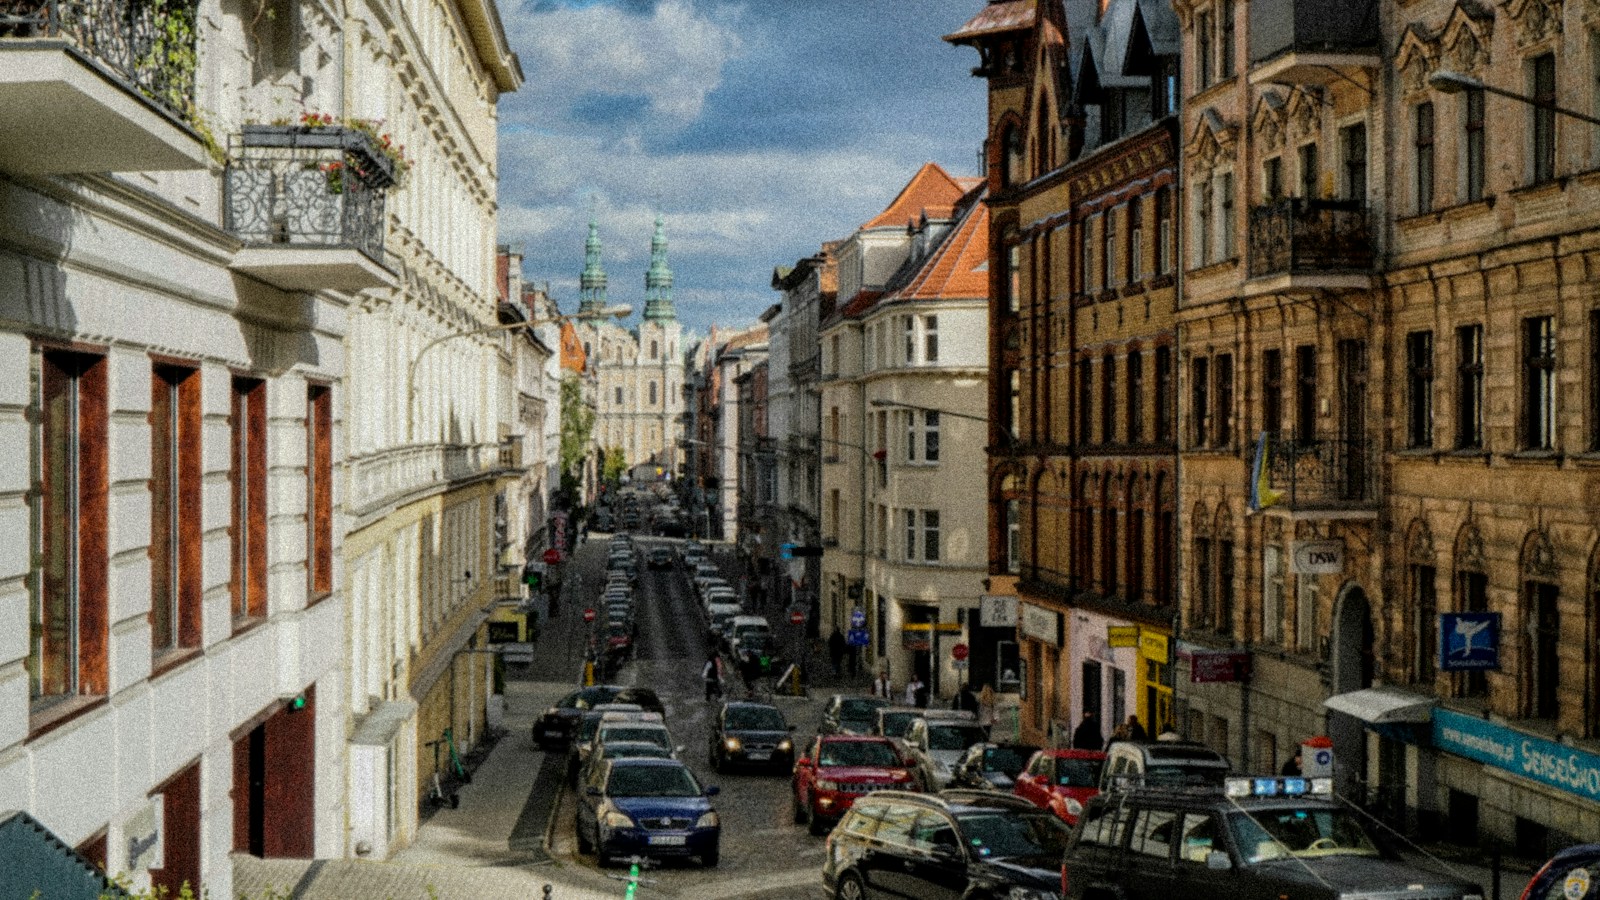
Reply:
x=1353, y=416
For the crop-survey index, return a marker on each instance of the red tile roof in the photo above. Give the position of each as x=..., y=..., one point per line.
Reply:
x=931, y=190
x=998, y=16
x=860, y=303
x=959, y=267
x=573, y=359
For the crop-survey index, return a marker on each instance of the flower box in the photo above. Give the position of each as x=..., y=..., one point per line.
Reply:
x=378, y=166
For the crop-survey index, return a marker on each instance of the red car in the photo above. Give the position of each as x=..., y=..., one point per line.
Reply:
x=1061, y=781
x=837, y=768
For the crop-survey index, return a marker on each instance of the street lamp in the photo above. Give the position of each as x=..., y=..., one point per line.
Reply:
x=1446, y=81
x=620, y=312
x=882, y=403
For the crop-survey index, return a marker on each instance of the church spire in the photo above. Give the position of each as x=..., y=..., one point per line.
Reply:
x=592, y=284
x=658, y=279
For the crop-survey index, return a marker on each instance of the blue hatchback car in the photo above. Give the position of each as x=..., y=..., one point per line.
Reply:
x=647, y=807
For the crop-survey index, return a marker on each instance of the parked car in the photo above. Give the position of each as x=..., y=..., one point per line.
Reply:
x=659, y=558
x=554, y=729
x=1249, y=837
x=1572, y=874
x=850, y=714
x=583, y=736
x=894, y=721
x=754, y=734
x=838, y=768
x=624, y=750
x=1061, y=780
x=937, y=744
x=647, y=807
x=631, y=727
x=957, y=844
x=993, y=767
x=1166, y=762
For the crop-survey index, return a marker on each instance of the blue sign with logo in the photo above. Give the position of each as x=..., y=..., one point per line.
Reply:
x=857, y=637
x=1547, y=762
x=858, y=618
x=1469, y=641
x=786, y=550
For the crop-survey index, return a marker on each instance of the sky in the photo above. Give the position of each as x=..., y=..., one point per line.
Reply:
x=758, y=129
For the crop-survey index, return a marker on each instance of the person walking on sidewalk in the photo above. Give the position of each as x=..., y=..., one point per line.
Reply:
x=882, y=686
x=836, y=650
x=916, y=692
x=712, y=674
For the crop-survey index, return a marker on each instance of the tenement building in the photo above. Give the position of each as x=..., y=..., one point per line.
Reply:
x=1082, y=172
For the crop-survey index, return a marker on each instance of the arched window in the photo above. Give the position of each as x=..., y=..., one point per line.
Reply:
x=1471, y=595
x=654, y=348
x=1011, y=171
x=1108, y=536
x=1162, y=503
x=1133, y=518
x=1423, y=606
x=652, y=386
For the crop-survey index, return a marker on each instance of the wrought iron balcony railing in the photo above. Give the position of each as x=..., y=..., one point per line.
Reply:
x=319, y=186
x=150, y=44
x=1326, y=473
x=1296, y=236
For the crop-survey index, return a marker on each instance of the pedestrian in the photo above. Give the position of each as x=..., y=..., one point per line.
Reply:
x=1088, y=735
x=749, y=670
x=1291, y=767
x=916, y=692
x=712, y=674
x=1136, y=731
x=836, y=648
x=986, y=700
x=1120, y=733
x=882, y=686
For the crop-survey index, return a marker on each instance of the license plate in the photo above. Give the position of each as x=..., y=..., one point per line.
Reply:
x=669, y=840
x=760, y=755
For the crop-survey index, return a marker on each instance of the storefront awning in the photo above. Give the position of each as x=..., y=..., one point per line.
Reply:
x=1384, y=706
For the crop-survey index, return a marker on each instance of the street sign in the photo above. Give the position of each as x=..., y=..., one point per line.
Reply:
x=552, y=556
x=1122, y=635
x=959, y=652
x=588, y=614
x=858, y=637
x=1213, y=666
x=786, y=551
x=797, y=617
x=858, y=618
x=1468, y=641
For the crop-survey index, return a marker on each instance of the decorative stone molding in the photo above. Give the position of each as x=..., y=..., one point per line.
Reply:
x=1212, y=141
x=1469, y=555
x=1304, y=113
x=1539, y=556
x=1419, y=544
x=1201, y=521
x=1536, y=20
x=1224, y=520
x=1268, y=123
x=1417, y=58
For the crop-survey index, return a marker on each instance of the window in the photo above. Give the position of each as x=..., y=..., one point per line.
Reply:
x=1224, y=376
x=1203, y=212
x=1013, y=537
x=1542, y=85
x=1085, y=400
x=1272, y=178
x=1092, y=279
x=1539, y=374
x=1305, y=399
x=1271, y=390
x=1204, y=584
x=911, y=534
x=1200, y=400
x=1305, y=615
x=1272, y=594
x=1163, y=544
x=1108, y=253
x=1353, y=144
x=1308, y=172
x=1014, y=278
x=1224, y=620
x=1204, y=63
x=1135, y=240
x=1424, y=624
x=909, y=325
x=1133, y=582
x=930, y=339
x=319, y=489
x=1469, y=387
x=67, y=612
x=654, y=349
x=1108, y=539
x=1424, y=157
x=1012, y=164
x=1472, y=595
x=1163, y=394
x=1419, y=389
x=1544, y=628
x=1225, y=26
x=1225, y=225
x=1108, y=399
x=930, y=435
x=1135, y=400
x=248, y=477
x=652, y=393
x=619, y=396
x=1014, y=409
x=1472, y=143
x=1164, y=231
x=1152, y=833
x=930, y=535
x=175, y=557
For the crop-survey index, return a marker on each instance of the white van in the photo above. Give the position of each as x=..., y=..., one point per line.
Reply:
x=722, y=616
x=743, y=625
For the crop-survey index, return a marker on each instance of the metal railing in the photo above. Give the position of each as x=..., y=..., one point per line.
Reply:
x=1324, y=472
x=150, y=44
x=320, y=187
x=1294, y=235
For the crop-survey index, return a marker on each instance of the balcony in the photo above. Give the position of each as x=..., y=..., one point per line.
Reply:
x=1311, y=41
x=97, y=86
x=307, y=203
x=1309, y=244
x=1326, y=474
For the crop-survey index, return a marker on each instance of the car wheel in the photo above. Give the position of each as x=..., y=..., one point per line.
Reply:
x=602, y=859
x=799, y=813
x=849, y=888
x=711, y=857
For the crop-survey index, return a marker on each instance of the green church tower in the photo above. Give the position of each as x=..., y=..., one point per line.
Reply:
x=658, y=279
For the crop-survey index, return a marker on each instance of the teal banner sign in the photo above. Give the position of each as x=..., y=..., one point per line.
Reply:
x=1547, y=762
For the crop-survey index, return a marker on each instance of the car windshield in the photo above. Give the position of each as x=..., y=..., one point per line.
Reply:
x=953, y=737
x=755, y=718
x=652, y=781
x=617, y=629
x=1280, y=833
x=634, y=749
x=857, y=709
x=1004, y=759
x=858, y=753
x=1078, y=772
x=588, y=697
x=895, y=723
x=1183, y=775
x=998, y=835
x=635, y=733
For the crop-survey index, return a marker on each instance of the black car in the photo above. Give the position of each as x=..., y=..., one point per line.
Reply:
x=1249, y=837
x=553, y=730
x=659, y=558
x=956, y=844
x=753, y=734
x=850, y=714
x=992, y=767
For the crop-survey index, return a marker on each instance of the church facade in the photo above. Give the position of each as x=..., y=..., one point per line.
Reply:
x=639, y=370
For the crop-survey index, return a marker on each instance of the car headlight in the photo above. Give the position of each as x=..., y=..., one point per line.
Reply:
x=616, y=819
x=1074, y=808
x=824, y=784
x=785, y=745
x=708, y=820
x=1028, y=893
x=733, y=745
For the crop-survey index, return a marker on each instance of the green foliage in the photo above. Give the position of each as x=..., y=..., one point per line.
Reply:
x=616, y=463
x=172, y=53
x=577, y=426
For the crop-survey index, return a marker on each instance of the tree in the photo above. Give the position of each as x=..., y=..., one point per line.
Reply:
x=616, y=463
x=577, y=425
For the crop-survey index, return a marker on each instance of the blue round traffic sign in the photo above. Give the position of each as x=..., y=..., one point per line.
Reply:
x=858, y=618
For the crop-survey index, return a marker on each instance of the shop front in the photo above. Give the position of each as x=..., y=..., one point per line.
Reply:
x=1120, y=669
x=1042, y=635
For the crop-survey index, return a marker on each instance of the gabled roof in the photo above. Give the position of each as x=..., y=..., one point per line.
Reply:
x=37, y=860
x=931, y=190
x=998, y=17
x=959, y=267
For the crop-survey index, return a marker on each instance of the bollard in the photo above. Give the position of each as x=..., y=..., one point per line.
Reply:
x=588, y=672
x=547, y=892
x=633, y=881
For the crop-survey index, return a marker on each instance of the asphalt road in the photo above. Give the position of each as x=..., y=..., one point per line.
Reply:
x=763, y=853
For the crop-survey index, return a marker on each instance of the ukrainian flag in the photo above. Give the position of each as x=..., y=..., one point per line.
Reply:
x=1261, y=493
